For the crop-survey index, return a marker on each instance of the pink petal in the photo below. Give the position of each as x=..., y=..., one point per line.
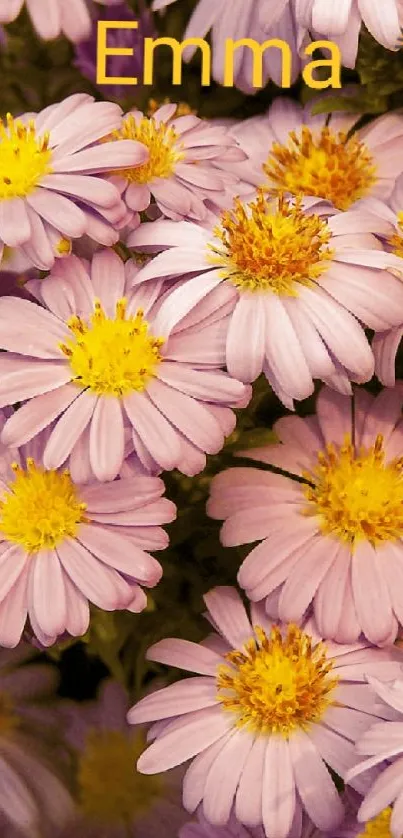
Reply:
x=229, y=615
x=201, y=729
x=311, y=774
x=194, y=780
x=223, y=777
x=37, y=414
x=49, y=597
x=301, y=586
x=371, y=595
x=183, y=654
x=107, y=438
x=278, y=800
x=188, y=416
x=120, y=553
x=183, y=697
x=155, y=432
x=68, y=430
x=248, y=804
x=247, y=323
x=100, y=584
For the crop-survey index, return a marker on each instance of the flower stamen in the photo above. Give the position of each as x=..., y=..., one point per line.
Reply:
x=356, y=494
x=40, y=508
x=24, y=158
x=277, y=683
x=271, y=246
x=333, y=166
x=112, y=356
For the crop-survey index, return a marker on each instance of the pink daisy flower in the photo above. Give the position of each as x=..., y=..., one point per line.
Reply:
x=49, y=189
x=269, y=706
x=331, y=527
x=382, y=745
x=291, y=150
x=52, y=18
x=243, y=19
x=33, y=793
x=113, y=800
x=181, y=172
x=63, y=546
x=98, y=361
x=302, y=280
x=342, y=22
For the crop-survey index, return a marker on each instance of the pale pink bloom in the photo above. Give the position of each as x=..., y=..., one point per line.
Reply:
x=382, y=745
x=52, y=18
x=63, y=546
x=249, y=741
x=243, y=19
x=342, y=170
x=33, y=793
x=332, y=541
x=181, y=174
x=99, y=359
x=50, y=188
x=299, y=300
x=341, y=22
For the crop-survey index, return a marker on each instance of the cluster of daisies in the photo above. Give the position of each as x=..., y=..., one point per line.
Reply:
x=154, y=266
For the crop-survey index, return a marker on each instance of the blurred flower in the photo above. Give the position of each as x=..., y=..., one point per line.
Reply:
x=64, y=544
x=297, y=278
x=331, y=529
x=52, y=18
x=113, y=799
x=271, y=707
x=383, y=743
x=181, y=173
x=49, y=191
x=233, y=829
x=243, y=19
x=342, y=22
x=118, y=65
x=33, y=797
x=98, y=360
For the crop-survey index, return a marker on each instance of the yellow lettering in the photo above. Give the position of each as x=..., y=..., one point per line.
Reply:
x=258, y=51
x=177, y=53
x=334, y=62
x=103, y=51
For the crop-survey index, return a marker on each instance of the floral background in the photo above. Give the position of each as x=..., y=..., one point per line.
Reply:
x=201, y=451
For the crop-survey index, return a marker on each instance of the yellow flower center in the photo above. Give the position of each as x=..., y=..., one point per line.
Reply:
x=332, y=166
x=40, y=509
x=277, y=684
x=357, y=496
x=396, y=241
x=24, y=158
x=378, y=827
x=110, y=789
x=162, y=143
x=271, y=246
x=112, y=356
